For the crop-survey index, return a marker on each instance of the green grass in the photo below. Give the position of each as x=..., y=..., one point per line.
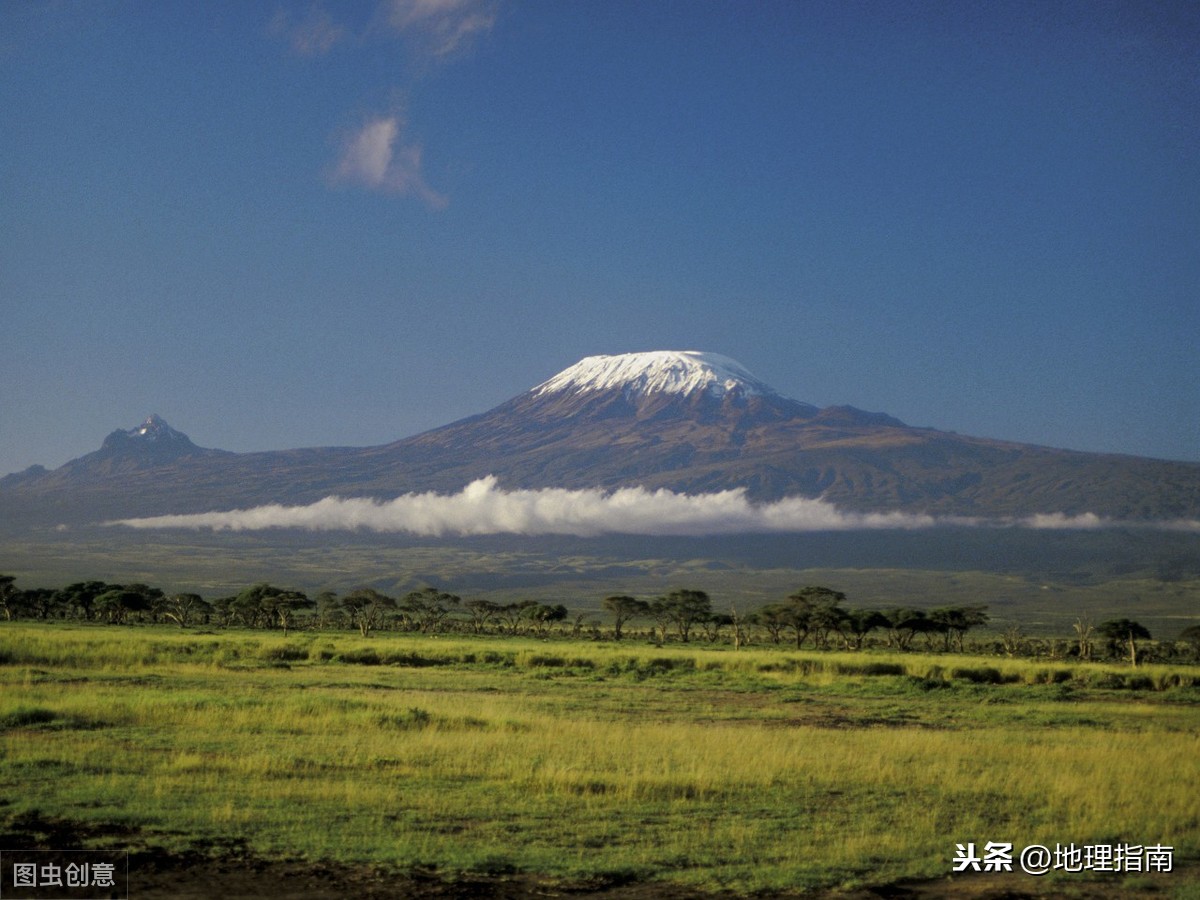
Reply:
x=750, y=770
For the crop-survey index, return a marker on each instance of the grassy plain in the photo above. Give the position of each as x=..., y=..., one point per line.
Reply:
x=758, y=769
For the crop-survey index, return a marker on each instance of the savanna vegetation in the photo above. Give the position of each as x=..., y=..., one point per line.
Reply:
x=812, y=616
x=800, y=747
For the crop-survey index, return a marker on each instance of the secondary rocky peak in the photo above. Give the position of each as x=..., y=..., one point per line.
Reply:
x=154, y=432
x=156, y=428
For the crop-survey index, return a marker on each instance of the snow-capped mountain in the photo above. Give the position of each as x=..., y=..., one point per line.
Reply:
x=682, y=372
x=688, y=421
x=660, y=386
x=688, y=381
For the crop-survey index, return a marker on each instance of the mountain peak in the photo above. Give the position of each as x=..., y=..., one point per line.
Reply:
x=683, y=372
x=154, y=432
x=155, y=428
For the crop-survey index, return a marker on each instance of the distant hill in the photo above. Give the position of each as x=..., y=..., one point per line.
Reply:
x=687, y=421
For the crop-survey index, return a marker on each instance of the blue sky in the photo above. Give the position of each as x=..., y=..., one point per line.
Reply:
x=301, y=224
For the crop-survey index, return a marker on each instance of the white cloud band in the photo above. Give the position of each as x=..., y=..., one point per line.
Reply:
x=482, y=508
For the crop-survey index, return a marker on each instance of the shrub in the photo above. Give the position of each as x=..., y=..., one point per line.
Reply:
x=978, y=675
x=412, y=719
x=415, y=660
x=874, y=668
x=285, y=653
x=364, y=657
x=24, y=716
x=322, y=654
x=538, y=660
x=1051, y=676
x=800, y=666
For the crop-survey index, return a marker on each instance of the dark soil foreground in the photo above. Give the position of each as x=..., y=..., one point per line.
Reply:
x=229, y=871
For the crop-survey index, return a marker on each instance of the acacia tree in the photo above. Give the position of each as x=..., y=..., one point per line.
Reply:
x=543, y=614
x=735, y=623
x=285, y=606
x=818, y=609
x=182, y=608
x=812, y=609
x=1191, y=635
x=42, y=602
x=429, y=607
x=266, y=604
x=329, y=609
x=823, y=620
x=117, y=603
x=856, y=624
x=579, y=621
x=223, y=610
x=1084, y=629
x=957, y=621
x=151, y=596
x=81, y=596
x=1126, y=632
x=712, y=625
x=905, y=623
x=660, y=611
x=367, y=608
x=1012, y=638
x=774, y=617
x=685, y=608
x=512, y=615
x=248, y=605
x=623, y=608
x=9, y=597
x=482, y=613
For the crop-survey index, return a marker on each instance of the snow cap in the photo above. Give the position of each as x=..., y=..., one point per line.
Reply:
x=659, y=371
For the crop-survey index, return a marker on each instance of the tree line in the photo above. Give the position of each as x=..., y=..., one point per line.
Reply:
x=813, y=616
x=266, y=605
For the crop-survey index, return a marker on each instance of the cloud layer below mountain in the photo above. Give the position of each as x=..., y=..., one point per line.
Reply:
x=483, y=508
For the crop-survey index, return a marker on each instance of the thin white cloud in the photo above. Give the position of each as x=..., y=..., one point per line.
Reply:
x=1059, y=521
x=1093, y=522
x=314, y=33
x=375, y=157
x=441, y=27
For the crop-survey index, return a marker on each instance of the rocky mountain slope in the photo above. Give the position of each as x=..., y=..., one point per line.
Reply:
x=688, y=421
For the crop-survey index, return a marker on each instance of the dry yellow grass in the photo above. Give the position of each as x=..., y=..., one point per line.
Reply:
x=755, y=769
